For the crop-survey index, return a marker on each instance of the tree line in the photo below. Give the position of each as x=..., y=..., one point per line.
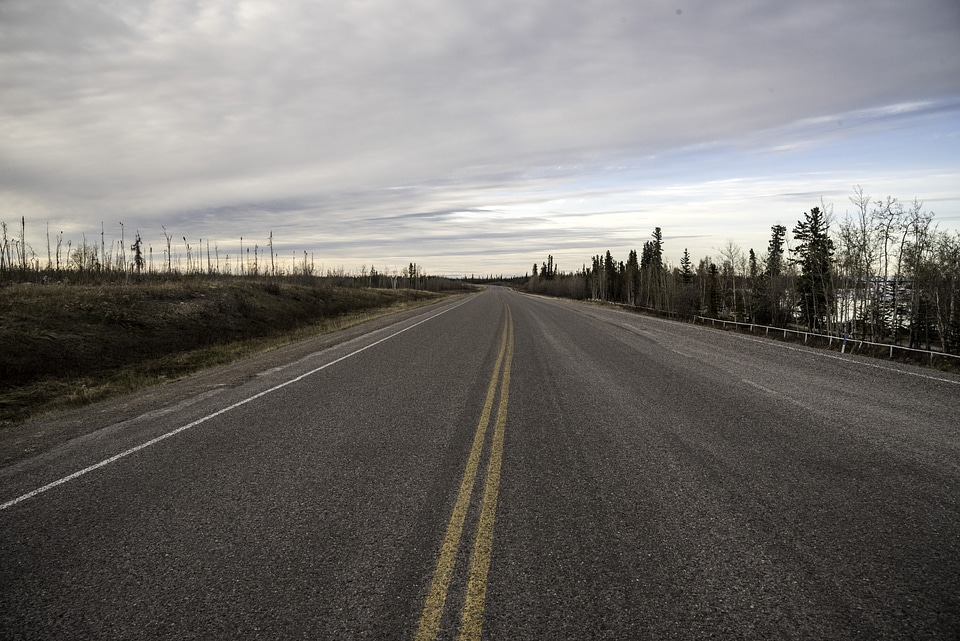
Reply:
x=124, y=260
x=882, y=272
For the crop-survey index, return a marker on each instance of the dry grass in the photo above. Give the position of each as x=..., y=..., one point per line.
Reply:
x=64, y=346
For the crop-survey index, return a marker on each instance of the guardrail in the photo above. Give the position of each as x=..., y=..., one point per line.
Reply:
x=844, y=341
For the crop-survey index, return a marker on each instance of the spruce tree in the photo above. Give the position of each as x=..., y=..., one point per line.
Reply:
x=769, y=290
x=686, y=268
x=714, y=300
x=814, y=257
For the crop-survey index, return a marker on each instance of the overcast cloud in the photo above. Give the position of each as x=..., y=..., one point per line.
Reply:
x=471, y=136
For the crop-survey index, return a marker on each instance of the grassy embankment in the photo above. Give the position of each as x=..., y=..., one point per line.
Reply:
x=64, y=346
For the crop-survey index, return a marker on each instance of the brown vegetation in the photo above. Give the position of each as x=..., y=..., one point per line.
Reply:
x=68, y=345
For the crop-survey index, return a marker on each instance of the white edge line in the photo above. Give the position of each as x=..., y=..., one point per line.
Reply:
x=816, y=352
x=154, y=441
x=805, y=350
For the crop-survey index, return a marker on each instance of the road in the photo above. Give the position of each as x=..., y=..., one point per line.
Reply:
x=502, y=466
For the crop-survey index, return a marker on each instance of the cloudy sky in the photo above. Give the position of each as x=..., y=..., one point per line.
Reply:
x=471, y=136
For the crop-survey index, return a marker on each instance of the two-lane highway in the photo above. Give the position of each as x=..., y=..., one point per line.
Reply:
x=505, y=467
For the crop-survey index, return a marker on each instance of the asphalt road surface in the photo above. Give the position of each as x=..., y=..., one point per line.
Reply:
x=505, y=467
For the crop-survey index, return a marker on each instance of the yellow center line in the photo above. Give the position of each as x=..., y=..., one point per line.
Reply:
x=437, y=595
x=472, y=622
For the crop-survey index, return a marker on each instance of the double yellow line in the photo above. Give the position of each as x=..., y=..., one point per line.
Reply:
x=471, y=622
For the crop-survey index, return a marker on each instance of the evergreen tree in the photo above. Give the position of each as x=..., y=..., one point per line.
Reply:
x=686, y=268
x=137, y=249
x=814, y=257
x=609, y=274
x=774, y=266
x=596, y=280
x=657, y=248
x=652, y=272
x=686, y=302
x=714, y=299
x=770, y=308
x=631, y=277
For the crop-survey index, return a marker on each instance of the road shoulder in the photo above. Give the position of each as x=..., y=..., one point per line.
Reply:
x=29, y=439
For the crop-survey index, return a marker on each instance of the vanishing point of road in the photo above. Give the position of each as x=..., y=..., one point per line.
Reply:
x=501, y=466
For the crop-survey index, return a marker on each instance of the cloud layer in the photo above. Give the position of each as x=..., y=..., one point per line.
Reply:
x=357, y=128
